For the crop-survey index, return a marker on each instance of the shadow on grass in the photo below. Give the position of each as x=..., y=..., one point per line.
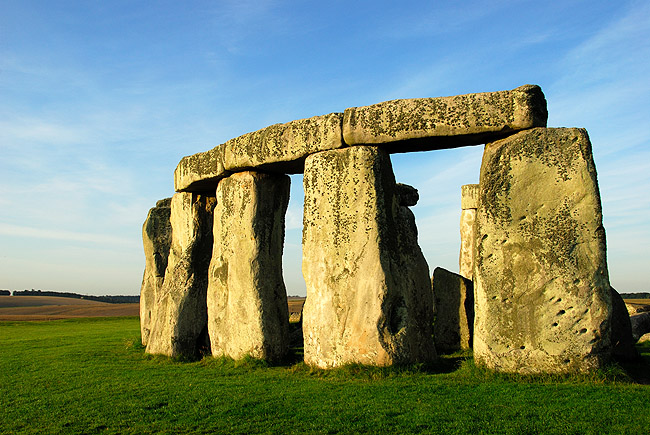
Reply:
x=639, y=370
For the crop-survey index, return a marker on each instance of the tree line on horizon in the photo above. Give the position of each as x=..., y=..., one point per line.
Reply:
x=106, y=298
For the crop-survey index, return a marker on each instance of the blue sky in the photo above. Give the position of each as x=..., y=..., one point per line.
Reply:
x=100, y=100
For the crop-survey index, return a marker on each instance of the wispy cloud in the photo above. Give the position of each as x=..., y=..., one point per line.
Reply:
x=40, y=233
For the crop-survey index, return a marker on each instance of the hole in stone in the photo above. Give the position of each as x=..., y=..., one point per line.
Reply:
x=522, y=347
x=583, y=330
x=567, y=361
x=561, y=312
x=554, y=324
x=558, y=300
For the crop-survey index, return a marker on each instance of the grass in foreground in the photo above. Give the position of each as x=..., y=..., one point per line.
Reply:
x=92, y=376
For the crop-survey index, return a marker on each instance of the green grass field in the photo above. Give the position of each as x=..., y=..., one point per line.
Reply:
x=92, y=376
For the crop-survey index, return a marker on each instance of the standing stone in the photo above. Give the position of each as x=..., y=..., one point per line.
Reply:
x=468, y=204
x=453, y=325
x=640, y=325
x=247, y=299
x=368, y=291
x=156, y=239
x=542, y=288
x=180, y=314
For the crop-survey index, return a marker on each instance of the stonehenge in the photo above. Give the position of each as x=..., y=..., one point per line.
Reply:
x=532, y=243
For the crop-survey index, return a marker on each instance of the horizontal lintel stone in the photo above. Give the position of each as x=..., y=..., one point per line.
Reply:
x=284, y=147
x=200, y=171
x=277, y=148
x=422, y=124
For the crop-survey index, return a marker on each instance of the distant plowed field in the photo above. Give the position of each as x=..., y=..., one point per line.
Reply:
x=16, y=308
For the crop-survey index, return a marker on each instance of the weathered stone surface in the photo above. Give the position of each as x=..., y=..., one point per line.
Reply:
x=644, y=338
x=247, y=301
x=453, y=325
x=278, y=148
x=622, y=339
x=469, y=196
x=284, y=147
x=636, y=308
x=445, y=122
x=180, y=313
x=541, y=282
x=156, y=240
x=368, y=290
x=200, y=172
x=408, y=196
x=640, y=324
x=468, y=202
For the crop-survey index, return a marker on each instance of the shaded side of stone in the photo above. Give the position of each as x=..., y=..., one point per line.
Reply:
x=284, y=147
x=156, y=240
x=541, y=282
x=408, y=196
x=445, y=122
x=368, y=291
x=247, y=301
x=622, y=339
x=180, y=315
x=640, y=324
x=453, y=324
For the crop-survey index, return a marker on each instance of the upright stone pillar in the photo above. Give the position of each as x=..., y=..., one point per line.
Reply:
x=156, y=240
x=453, y=326
x=180, y=314
x=542, y=288
x=247, y=299
x=468, y=204
x=368, y=290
